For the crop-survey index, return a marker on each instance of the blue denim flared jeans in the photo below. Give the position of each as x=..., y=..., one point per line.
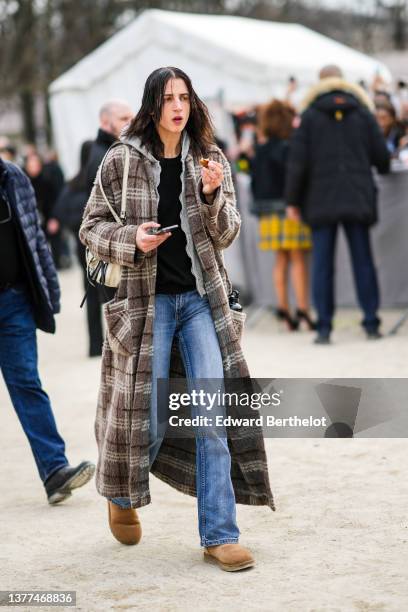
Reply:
x=187, y=316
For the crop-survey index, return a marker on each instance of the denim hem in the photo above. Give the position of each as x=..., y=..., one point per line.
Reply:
x=124, y=502
x=207, y=543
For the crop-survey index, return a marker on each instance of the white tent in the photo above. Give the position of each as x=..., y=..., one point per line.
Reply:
x=241, y=61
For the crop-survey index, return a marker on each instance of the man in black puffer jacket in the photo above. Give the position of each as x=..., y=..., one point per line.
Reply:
x=330, y=182
x=29, y=298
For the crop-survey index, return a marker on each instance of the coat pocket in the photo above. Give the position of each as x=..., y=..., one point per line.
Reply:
x=238, y=321
x=118, y=325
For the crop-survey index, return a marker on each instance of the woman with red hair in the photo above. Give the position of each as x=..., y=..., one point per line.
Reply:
x=290, y=239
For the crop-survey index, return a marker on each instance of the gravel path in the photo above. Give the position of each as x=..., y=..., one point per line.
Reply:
x=339, y=538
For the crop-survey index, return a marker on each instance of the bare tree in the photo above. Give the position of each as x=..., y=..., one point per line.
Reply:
x=396, y=12
x=40, y=39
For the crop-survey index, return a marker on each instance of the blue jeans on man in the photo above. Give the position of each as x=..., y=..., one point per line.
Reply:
x=18, y=364
x=323, y=274
x=188, y=317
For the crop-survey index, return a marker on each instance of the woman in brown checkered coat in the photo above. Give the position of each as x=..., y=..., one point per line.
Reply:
x=171, y=317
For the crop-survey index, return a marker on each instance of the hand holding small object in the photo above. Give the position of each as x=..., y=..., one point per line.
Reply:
x=146, y=242
x=212, y=175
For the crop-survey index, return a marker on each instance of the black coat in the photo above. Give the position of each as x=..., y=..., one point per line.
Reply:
x=99, y=147
x=70, y=207
x=268, y=168
x=45, y=195
x=53, y=172
x=331, y=156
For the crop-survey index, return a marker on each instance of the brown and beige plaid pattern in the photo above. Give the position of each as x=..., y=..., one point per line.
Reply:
x=122, y=420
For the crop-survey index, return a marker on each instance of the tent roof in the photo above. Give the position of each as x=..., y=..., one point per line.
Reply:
x=248, y=47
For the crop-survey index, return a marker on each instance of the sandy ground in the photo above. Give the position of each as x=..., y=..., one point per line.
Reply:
x=339, y=538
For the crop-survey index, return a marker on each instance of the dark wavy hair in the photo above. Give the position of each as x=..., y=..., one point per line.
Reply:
x=199, y=125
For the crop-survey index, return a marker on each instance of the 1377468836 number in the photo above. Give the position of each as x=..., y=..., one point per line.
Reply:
x=38, y=598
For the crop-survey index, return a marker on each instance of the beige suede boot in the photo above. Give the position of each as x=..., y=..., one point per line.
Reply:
x=229, y=557
x=124, y=524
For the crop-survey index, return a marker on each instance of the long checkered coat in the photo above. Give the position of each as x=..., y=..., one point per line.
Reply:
x=122, y=421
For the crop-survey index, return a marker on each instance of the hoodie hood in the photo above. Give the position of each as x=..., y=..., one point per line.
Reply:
x=334, y=94
x=137, y=144
x=336, y=104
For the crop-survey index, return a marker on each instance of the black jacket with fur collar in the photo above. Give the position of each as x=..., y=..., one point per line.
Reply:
x=331, y=157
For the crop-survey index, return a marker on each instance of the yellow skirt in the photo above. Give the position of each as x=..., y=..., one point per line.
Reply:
x=281, y=233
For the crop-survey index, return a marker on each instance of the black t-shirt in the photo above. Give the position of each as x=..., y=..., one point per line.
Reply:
x=173, y=264
x=10, y=256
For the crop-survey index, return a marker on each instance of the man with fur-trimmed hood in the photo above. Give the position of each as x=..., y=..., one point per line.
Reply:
x=330, y=182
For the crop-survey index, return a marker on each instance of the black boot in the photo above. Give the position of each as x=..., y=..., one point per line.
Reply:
x=60, y=484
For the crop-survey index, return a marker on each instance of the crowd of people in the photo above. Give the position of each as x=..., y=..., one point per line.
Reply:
x=271, y=139
x=311, y=171
x=266, y=134
x=172, y=311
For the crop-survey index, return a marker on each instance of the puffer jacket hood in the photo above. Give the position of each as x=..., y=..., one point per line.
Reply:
x=336, y=104
x=328, y=94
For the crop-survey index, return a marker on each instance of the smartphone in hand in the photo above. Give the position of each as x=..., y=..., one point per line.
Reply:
x=157, y=231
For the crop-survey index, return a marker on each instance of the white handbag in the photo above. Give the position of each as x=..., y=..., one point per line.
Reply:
x=99, y=271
